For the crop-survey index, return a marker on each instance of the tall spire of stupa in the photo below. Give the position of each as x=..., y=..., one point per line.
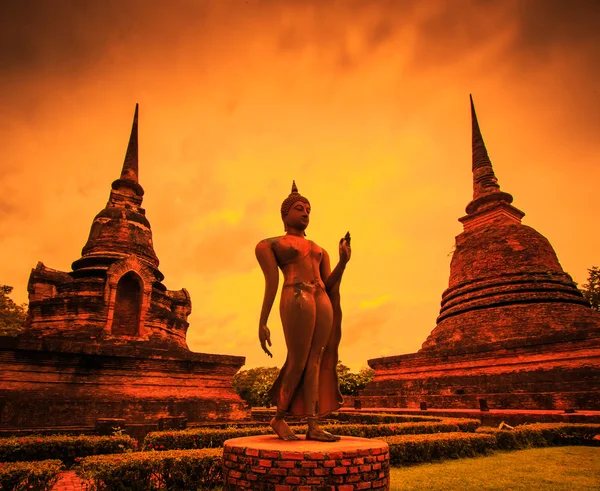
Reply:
x=485, y=185
x=121, y=228
x=129, y=173
x=484, y=179
x=130, y=165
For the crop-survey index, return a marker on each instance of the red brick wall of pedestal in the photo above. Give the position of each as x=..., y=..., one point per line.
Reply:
x=267, y=463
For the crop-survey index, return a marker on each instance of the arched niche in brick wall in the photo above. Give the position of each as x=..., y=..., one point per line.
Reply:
x=127, y=293
x=128, y=303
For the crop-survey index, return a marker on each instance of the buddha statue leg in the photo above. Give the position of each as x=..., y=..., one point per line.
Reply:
x=321, y=335
x=298, y=314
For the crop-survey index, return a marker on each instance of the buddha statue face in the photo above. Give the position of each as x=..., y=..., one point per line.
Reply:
x=298, y=216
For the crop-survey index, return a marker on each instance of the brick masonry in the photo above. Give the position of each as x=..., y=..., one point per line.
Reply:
x=267, y=463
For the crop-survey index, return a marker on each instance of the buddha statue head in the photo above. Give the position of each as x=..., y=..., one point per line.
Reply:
x=296, y=218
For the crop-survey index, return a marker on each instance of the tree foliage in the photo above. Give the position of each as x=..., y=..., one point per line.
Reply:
x=12, y=316
x=253, y=385
x=352, y=383
x=591, y=289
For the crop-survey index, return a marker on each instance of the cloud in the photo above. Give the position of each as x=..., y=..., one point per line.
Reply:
x=364, y=103
x=376, y=302
x=364, y=326
x=225, y=248
x=205, y=330
x=544, y=25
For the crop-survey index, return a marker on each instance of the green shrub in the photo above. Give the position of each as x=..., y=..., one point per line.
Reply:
x=63, y=447
x=381, y=430
x=376, y=418
x=175, y=470
x=30, y=476
x=213, y=438
x=464, y=424
x=415, y=449
x=265, y=414
x=198, y=437
x=544, y=434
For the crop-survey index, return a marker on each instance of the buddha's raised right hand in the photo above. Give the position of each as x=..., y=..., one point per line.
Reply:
x=264, y=335
x=345, y=250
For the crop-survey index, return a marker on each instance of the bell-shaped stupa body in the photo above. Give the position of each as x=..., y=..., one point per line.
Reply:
x=513, y=327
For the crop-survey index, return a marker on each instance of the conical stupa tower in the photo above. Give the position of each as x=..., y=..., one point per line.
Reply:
x=108, y=340
x=506, y=284
x=114, y=293
x=513, y=327
x=121, y=228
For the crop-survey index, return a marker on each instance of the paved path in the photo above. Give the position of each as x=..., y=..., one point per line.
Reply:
x=68, y=481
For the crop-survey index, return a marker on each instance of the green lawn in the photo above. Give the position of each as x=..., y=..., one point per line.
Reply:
x=539, y=469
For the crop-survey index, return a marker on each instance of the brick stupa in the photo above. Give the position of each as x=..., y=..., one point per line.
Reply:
x=107, y=339
x=513, y=327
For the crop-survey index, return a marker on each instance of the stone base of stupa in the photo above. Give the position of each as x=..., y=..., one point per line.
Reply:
x=267, y=463
x=47, y=383
x=553, y=376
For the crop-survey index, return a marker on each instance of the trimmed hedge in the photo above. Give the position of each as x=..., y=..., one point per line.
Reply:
x=416, y=449
x=211, y=438
x=382, y=430
x=264, y=414
x=176, y=470
x=180, y=470
x=544, y=434
x=63, y=447
x=377, y=418
x=464, y=424
x=198, y=437
x=30, y=476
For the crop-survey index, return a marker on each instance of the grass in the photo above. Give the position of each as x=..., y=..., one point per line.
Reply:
x=539, y=469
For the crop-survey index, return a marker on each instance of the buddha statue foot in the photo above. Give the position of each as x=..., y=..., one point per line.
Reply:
x=283, y=430
x=321, y=436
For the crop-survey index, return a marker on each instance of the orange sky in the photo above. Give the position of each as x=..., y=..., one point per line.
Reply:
x=363, y=103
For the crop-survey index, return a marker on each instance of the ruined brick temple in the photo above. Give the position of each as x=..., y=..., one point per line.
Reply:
x=513, y=328
x=108, y=339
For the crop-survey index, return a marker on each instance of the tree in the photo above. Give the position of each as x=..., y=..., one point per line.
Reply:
x=352, y=383
x=253, y=385
x=591, y=290
x=12, y=316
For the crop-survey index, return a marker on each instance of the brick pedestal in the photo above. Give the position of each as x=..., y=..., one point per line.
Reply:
x=267, y=463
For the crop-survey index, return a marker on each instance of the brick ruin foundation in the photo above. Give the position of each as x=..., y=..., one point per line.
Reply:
x=514, y=332
x=108, y=339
